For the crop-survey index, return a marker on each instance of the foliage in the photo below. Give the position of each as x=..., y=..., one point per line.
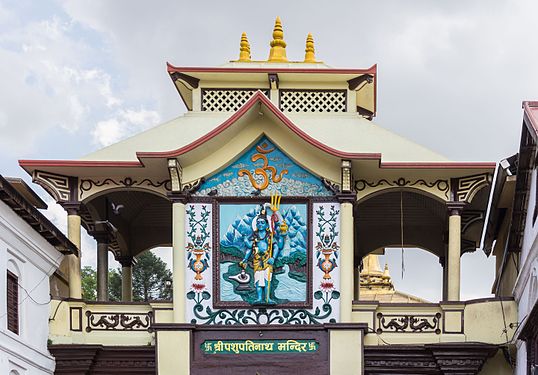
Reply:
x=151, y=278
x=89, y=283
x=114, y=285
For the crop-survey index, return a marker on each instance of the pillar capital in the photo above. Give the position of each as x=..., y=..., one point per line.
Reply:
x=72, y=208
x=125, y=260
x=455, y=208
x=101, y=236
x=179, y=197
x=347, y=197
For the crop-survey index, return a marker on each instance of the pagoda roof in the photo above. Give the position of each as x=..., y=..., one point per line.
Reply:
x=342, y=135
x=268, y=67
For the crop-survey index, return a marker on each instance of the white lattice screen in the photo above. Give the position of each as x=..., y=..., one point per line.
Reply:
x=313, y=100
x=226, y=100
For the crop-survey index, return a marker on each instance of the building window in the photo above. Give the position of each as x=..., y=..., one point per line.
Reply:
x=12, y=303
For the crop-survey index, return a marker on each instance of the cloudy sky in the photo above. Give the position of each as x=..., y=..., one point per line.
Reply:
x=79, y=75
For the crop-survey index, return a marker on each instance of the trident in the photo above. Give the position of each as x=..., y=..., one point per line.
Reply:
x=275, y=206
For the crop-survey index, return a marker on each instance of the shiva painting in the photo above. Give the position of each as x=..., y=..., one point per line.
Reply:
x=263, y=253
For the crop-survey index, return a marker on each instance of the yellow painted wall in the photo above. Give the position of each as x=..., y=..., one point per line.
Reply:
x=346, y=354
x=496, y=365
x=173, y=352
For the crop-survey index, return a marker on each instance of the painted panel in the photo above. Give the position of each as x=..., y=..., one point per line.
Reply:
x=262, y=171
x=323, y=272
x=263, y=254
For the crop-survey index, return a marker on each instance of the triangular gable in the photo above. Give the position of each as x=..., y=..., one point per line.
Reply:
x=262, y=170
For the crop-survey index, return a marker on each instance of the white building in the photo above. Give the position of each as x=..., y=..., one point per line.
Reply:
x=31, y=250
x=512, y=236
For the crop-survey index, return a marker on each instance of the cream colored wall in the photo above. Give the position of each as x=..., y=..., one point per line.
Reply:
x=346, y=354
x=173, y=352
x=484, y=322
x=305, y=155
x=366, y=97
x=496, y=365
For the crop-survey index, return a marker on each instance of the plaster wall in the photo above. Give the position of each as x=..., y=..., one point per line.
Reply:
x=526, y=287
x=32, y=259
x=306, y=156
x=484, y=322
x=173, y=353
x=496, y=365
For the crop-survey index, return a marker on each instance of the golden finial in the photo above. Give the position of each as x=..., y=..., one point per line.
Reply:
x=244, y=49
x=278, y=45
x=309, y=56
x=386, y=273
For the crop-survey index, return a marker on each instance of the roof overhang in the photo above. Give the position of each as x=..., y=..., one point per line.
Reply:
x=207, y=143
x=29, y=213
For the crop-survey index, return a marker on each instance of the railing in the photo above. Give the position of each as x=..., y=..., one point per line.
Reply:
x=74, y=321
x=396, y=323
x=105, y=321
x=79, y=322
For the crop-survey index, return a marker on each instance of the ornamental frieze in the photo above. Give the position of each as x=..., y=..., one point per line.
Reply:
x=88, y=187
x=440, y=187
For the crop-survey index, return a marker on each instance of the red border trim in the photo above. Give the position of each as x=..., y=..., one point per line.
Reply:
x=529, y=107
x=440, y=165
x=257, y=97
x=79, y=163
x=190, y=69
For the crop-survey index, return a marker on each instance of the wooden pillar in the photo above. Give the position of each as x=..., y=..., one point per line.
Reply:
x=126, y=278
x=178, y=257
x=347, y=198
x=346, y=261
x=73, y=233
x=102, y=266
x=454, y=250
x=442, y=261
x=356, y=282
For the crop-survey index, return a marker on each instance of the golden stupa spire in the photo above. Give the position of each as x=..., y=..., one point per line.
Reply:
x=386, y=274
x=309, y=56
x=278, y=45
x=372, y=278
x=244, y=49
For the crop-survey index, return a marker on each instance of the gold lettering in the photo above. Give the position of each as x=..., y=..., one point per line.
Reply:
x=219, y=346
x=249, y=346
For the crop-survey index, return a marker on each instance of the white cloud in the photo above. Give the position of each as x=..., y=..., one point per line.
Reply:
x=126, y=123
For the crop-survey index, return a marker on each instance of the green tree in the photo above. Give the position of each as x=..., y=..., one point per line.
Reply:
x=114, y=285
x=89, y=283
x=151, y=278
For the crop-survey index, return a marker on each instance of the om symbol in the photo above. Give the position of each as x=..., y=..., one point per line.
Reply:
x=263, y=171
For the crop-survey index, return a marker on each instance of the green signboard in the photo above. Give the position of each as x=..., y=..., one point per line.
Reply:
x=258, y=346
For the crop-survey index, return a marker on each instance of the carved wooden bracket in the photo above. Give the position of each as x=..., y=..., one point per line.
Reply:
x=61, y=188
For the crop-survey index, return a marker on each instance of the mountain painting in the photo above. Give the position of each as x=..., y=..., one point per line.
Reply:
x=288, y=282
